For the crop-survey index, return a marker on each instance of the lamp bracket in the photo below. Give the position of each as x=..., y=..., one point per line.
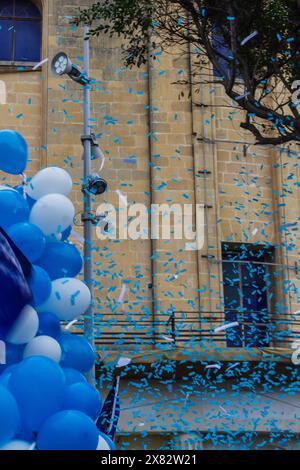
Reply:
x=91, y=217
x=90, y=138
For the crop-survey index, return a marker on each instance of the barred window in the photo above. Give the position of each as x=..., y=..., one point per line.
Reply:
x=20, y=31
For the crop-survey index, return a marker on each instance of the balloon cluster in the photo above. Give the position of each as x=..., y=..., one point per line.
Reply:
x=45, y=400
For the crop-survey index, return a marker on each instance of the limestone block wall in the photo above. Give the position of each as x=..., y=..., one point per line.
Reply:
x=157, y=144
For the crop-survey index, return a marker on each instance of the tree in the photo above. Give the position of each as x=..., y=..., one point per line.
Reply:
x=253, y=45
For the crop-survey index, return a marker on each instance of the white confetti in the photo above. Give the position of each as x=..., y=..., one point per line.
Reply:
x=40, y=64
x=122, y=294
x=122, y=197
x=252, y=35
x=232, y=367
x=77, y=236
x=186, y=399
x=69, y=325
x=167, y=338
x=123, y=361
x=226, y=327
x=213, y=366
x=240, y=97
x=255, y=231
x=191, y=246
x=224, y=411
x=2, y=353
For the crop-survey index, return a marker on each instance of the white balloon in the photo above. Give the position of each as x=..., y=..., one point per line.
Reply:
x=43, y=346
x=17, y=445
x=48, y=181
x=69, y=299
x=102, y=444
x=25, y=327
x=52, y=214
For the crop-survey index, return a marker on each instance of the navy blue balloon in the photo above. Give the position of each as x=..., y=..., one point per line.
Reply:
x=10, y=417
x=14, y=208
x=68, y=430
x=83, y=397
x=49, y=325
x=66, y=233
x=73, y=376
x=13, y=152
x=15, y=293
x=38, y=385
x=61, y=259
x=77, y=353
x=29, y=239
x=40, y=285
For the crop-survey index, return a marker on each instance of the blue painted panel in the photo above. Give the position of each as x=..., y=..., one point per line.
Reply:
x=28, y=41
x=6, y=40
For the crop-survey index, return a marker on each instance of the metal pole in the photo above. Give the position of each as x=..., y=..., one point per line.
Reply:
x=88, y=235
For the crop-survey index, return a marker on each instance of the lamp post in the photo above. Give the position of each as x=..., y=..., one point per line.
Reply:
x=89, y=332
x=93, y=184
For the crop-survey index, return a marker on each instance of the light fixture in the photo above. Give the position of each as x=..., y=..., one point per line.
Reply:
x=61, y=65
x=96, y=152
x=95, y=185
x=95, y=149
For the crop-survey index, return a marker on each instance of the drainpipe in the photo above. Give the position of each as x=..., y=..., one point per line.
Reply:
x=151, y=179
x=195, y=169
x=205, y=202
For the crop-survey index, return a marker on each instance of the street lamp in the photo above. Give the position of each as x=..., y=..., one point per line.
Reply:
x=61, y=65
x=93, y=184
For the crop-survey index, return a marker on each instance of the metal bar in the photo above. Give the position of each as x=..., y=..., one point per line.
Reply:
x=205, y=188
x=88, y=266
x=231, y=310
x=241, y=142
x=218, y=261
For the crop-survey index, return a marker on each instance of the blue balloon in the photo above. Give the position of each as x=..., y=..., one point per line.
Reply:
x=77, y=353
x=38, y=385
x=14, y=208
x=40, y=285
x=108, y=440
x=66, y=233
x=5, y=376
x=29, y=239
x=49, y=325
x=83, y=397
x=68, y=430
x=10, y=416
x=73, y=376
x=13, y=152
x=29, y=200
x=61, y=259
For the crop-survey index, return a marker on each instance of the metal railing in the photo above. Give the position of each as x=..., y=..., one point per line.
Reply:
x=131, y=329
x=254, y=327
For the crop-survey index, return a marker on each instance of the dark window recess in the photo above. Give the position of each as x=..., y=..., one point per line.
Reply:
x=248, y=290
x=20, y=31
x=224, y=55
